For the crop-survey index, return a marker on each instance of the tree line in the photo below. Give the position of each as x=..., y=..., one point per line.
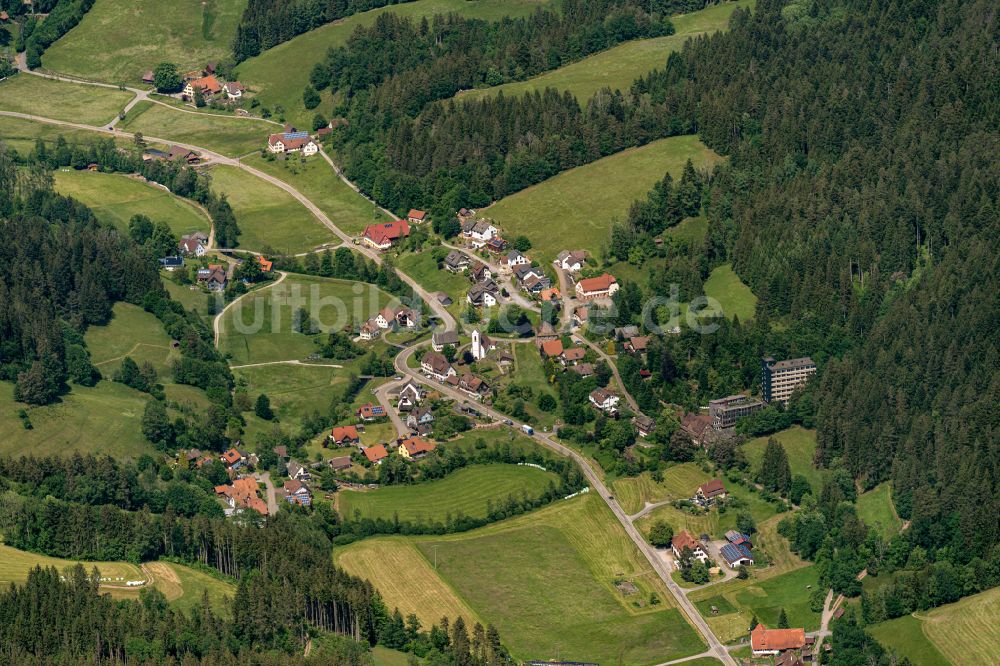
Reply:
x=37, y=35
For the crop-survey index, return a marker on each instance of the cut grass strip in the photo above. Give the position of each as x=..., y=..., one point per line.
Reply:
x=61, y=100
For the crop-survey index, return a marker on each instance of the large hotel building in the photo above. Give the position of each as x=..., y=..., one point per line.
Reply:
x=780, y=378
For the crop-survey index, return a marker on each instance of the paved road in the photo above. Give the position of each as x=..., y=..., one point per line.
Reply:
x=292, y=362
x=716, y=648
x=614, y=371
x=382, y=393
x=270, y=493
x=502, y=277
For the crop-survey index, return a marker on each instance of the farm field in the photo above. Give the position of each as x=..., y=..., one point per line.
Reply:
x=21, y=134
x=131, y=332
x=115, y=198
x=876, y=509
x=279, y=74
x=736, y=299
x=739, y=600
x=259, y=328
x=561, y=559
x=184, y=586
x=603, y=189
x=103, y=419
x=187, y=32
x=618, y=67
x=61, y=100
x=906, y=637
x=295, y=391
x=228, y=135
x=267, y=215
x=316, y=179
x=464, y=492
x=679, y=481
x=405, y=579
x=800, y=445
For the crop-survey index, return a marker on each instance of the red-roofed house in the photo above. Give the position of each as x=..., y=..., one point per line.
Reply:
x=682, y=540
x=242, y=494
x=573, y=355
x=416, y=216
x=208, y=85
x=414, y=448
x=370, y=412
x=266, y=265
x=598, y=287
x=638, y=344
x=376, y=454
x=711, y=490
x=764, y=641
x=345, y=436
x=382, y=236
x=552, y=348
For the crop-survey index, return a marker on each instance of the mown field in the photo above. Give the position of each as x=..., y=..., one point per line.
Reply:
x=267, y=215
x=736, y=299
x=316, y=179
x=280, y=74
x=876, y=509
x=711, y=522
x=618, y=67
x=232, y=136
x=586, y=199
x=965, y=632
x=115, y=198
x=466, y=491
x=800, y=445
x=559, y=562
x=61, y=100
x=118, y=40
x=258, y=328
x=132, y=332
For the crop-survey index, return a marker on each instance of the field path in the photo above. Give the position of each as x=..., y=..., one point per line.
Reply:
x=292, y=362
x=716, y=648
x=217, y=322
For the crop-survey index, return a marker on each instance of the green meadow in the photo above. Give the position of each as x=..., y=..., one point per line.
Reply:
x=232, y=136
x=22, y=134
x=115, y=198
x=736, y=299
x=61, y=100
x=118, y=40
x=876, y=509
x=268, y=216
x=583, y=202
x=800, y=445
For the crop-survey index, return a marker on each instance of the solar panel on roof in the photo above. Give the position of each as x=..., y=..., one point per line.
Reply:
x=296, y=135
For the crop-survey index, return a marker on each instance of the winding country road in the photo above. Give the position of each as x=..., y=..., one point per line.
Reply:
x=715, y=647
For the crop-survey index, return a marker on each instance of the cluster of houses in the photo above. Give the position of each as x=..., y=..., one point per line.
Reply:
x=389, y=319
x=206, y=82
x=789, y=647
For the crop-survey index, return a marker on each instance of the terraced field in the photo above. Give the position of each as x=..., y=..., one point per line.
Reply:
x=61, y=100
x=267, y=215
x=466, y=491
x=588, y=198
x=115, y=198
x=135, y=35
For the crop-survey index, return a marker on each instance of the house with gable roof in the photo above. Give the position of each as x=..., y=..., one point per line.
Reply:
x=292, y=142
x=384, y=235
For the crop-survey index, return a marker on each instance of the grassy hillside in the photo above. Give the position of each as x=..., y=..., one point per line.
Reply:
x=132, y=332
x=259, y=328
x=618, y=67
x=317, y=180
x=103, y=419
x=466, y=491
x=678, y=482
x=280, y=74
x=21, y=134
x=800, y=445
x=575, y=209
x=115, y=198
x=295, y=392
x=712, y=522
x=725, y=286
x=228, y=135
x=267, y=215
x=72, y=102
x=118, y=40
x=876, y=509
x=906, y=637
